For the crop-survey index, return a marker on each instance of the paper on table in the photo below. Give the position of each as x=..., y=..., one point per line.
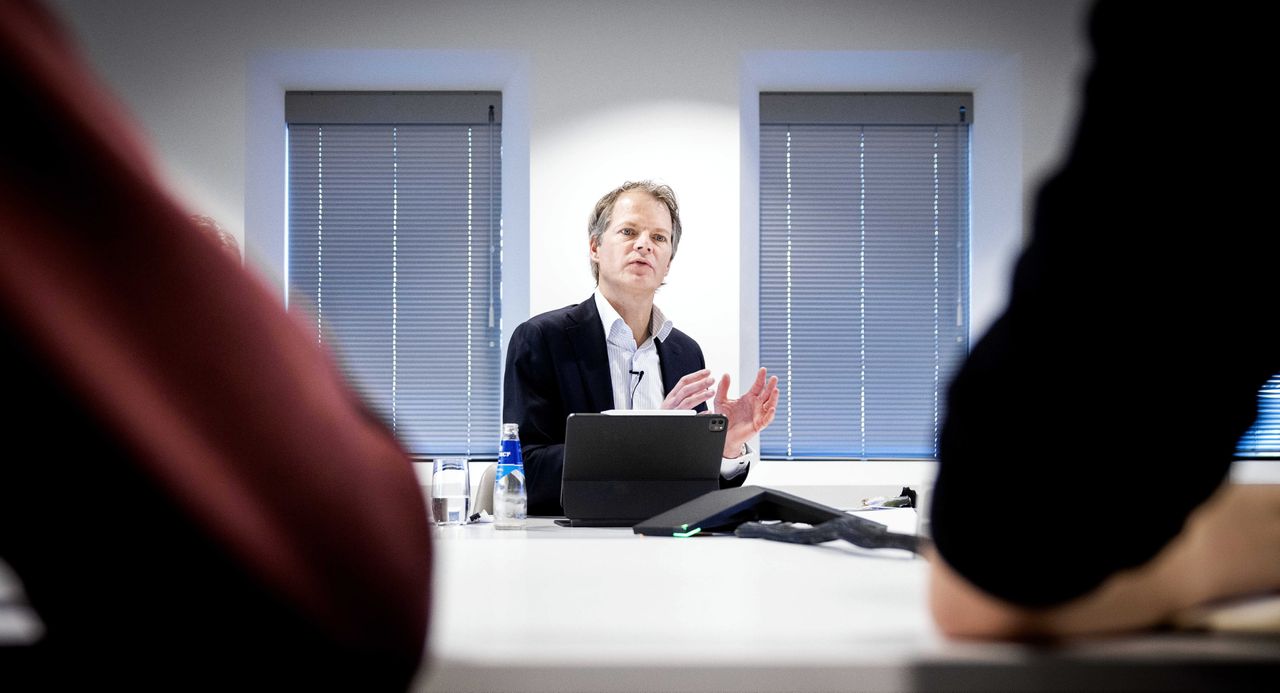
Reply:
x=649, y=412
x=1249, y=614
x=898, y=520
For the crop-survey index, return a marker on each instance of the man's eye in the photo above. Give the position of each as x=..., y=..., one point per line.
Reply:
x=659, y=238
x=626, y=232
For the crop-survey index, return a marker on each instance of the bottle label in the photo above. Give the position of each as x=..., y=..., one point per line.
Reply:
x=509, y=458
x=506, y=469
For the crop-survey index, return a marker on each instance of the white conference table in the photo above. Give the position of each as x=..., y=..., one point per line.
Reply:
x=558, y=609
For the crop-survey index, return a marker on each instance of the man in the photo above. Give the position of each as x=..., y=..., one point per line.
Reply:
x=1107, y=401
x=616, y=350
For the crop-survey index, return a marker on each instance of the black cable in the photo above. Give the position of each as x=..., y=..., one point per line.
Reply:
x=855, y=530
x=632, y=403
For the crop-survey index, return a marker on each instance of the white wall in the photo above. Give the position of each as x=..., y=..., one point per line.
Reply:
x=599, y=92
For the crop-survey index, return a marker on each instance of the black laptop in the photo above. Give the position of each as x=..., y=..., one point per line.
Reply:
x=621, y=469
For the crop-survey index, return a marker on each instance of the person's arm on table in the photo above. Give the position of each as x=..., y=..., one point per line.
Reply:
x=1089, y=431
x=1230, y=547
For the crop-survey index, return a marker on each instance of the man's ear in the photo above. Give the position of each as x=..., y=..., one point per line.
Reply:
x=593, y=250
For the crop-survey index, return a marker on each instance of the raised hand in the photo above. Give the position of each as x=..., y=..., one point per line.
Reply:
x=690, y=391
x=750, y=413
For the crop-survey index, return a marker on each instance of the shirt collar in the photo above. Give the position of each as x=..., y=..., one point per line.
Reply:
x=659, y=325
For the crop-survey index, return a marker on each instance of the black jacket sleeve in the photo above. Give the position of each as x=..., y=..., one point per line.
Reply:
x=531, y=399
x=1105, y=403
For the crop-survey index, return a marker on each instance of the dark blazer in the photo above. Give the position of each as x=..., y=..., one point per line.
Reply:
x=557, y=365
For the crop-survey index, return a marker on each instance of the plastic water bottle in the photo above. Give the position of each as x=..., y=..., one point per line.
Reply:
x=510, y=498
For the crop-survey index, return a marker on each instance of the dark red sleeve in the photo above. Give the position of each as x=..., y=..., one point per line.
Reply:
x=148, y=362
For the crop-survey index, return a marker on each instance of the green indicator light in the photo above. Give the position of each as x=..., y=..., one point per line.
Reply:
x=684, y=526
x=686, y=535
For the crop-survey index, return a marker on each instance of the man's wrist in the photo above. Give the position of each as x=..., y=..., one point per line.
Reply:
x=731, y=467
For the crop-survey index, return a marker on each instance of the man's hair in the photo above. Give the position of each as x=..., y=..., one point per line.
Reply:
x=603, y=213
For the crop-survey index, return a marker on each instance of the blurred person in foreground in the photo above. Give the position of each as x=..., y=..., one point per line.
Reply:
x=1107, y=401
x=202, y=502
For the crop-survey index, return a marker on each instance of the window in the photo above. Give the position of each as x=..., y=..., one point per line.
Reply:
x=394, y=245
x=864, y=209
x=1263, y=440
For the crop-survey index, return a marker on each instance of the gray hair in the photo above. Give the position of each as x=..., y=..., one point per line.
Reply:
x=603, y=213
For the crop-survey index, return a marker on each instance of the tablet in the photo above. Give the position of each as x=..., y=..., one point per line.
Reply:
x=619, y=470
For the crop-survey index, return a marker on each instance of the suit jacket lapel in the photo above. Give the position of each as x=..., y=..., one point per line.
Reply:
x=671, y=358
x=586, y=335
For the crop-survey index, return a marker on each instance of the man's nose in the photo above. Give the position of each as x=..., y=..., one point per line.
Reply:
x=643, y=242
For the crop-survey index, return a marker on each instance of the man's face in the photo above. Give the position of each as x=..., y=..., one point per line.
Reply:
x=634, y=252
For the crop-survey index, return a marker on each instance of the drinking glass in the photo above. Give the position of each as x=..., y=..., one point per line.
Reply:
x=450, y=491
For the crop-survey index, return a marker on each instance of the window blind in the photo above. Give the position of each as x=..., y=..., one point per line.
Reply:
x=864, y=211
x=394, y=246
x=1263, y=439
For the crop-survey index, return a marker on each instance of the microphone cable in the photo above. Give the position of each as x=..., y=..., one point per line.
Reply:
x=855, y=530
x=632, y=403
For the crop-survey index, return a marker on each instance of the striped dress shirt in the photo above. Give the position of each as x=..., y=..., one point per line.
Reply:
x=627, y=361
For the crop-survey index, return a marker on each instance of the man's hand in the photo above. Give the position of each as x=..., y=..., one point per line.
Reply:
x=692, y=390
x=749, y=414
